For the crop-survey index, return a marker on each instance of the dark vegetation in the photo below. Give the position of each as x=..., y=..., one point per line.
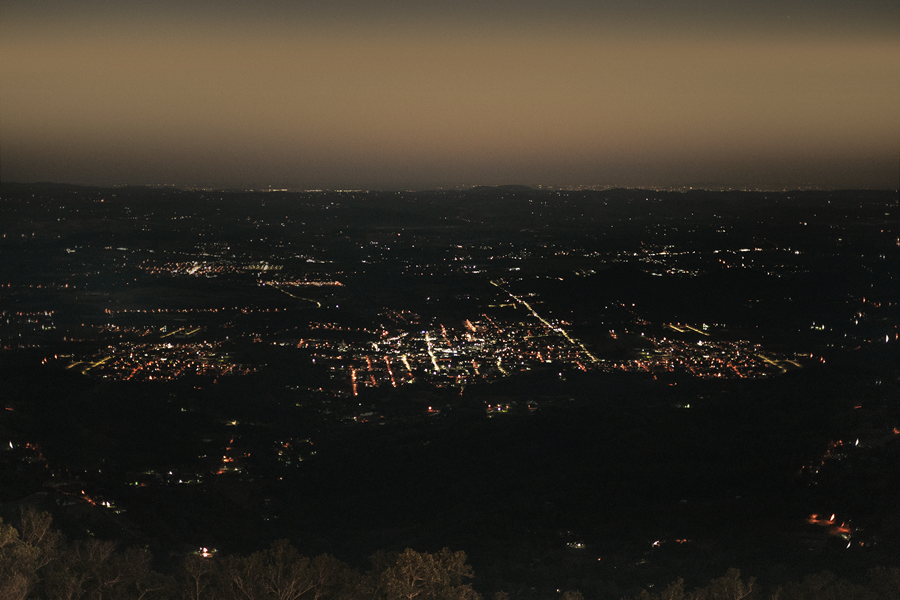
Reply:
x=37, y=562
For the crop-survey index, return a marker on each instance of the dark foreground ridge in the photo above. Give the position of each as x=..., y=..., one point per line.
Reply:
x=36, y=561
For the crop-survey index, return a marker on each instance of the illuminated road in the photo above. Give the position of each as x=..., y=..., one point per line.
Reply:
x=282, y=290
x=431, y=353
x=387, y=362
x=559, y=330
x=773, y=363
x=180, y=330
x=500, y=367
x=89, y=365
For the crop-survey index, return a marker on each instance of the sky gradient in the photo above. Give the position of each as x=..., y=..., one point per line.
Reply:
x=404, y=94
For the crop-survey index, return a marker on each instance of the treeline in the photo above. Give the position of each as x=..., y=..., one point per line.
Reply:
x=881, y=584
x=37, y=562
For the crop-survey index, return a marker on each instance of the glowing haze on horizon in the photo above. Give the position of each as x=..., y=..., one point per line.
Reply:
x=407, y=94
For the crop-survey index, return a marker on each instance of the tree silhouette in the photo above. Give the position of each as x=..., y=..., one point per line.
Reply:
x=282, y=573
x=422, y=575
x=25, y=551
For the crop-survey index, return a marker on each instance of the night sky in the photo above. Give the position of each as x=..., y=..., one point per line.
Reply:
x=422, y=94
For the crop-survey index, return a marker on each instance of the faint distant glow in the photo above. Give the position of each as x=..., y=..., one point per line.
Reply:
x=552, y=96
